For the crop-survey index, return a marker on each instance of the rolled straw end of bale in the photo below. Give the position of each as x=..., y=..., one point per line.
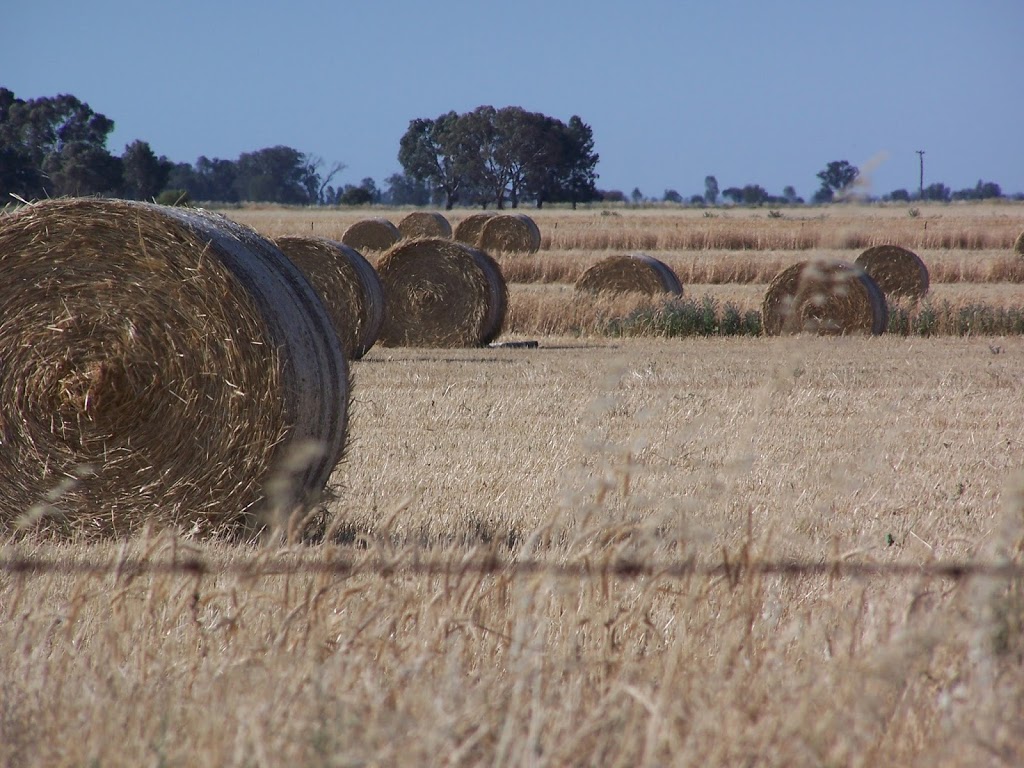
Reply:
x=899, y=272
x=1018, y=245
x=510, y=233
x=468, y=230
x=630, y=273
x=824, y=297
x=424, y=224
x=347, y=284
x=441, y=293
x=376, y=234
x=161, y=365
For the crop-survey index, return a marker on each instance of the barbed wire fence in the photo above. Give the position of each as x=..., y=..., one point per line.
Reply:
x=262, y=566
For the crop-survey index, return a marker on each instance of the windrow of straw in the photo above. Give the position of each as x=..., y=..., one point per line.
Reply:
x=160, y=365
x=824, y=297
x=468, y=230
x=510, y=233
x=424, y=224
x=897, y=271
x=441, y=293
x=630, y=273
x=376, y=234
x=348, y=285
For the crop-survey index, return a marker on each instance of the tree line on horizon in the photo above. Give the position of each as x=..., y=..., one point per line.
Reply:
x=57, y=146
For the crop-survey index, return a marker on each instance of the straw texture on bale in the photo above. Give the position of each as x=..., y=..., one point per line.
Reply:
x=376, y=234
x=424, y=224
x=510, y=233
x=1018, y=245
x=441, y=293
x=347, y=284
x=468, y=230
x=897, y=271
x=824, y=297
x=159, y=365
x=630, y=273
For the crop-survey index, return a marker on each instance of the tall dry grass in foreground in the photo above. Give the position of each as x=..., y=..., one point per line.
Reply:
x=580, y=456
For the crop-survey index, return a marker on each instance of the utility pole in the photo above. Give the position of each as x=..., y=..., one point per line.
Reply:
x=920, y=154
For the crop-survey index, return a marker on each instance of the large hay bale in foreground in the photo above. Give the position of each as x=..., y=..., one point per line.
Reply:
x=510, y=233
x=1018, y=245
x=348, y=285
x=440, y=293
x=897, y=271
x=376, y=234
x=424, y=224
x=160, y=365
x=630, y=273
x=468, y=230
x=825, y=297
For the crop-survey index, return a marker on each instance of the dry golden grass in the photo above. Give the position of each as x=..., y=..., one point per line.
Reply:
x=579, y=454
x=514, y=473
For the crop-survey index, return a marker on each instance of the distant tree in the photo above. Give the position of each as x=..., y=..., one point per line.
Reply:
x=710, y=190
x=429, y=151
x=983, y=190
x=143, y=175
x=789, y=193
x=53, y=146
x=636, y=196
x=697, y=200
x=733, y=193
x=402, y=189
x=938, y=192
x=754, y=194
x=214, y=180
x=899, y=195
x=353, y=195
x=835, y=178
x=81, y=168
x=579, y=163
x=671, y=196
x=612, y=195
x=275, y=175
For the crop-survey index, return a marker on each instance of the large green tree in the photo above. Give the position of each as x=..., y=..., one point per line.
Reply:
x=143, y=174
x=430, y=151
x=54, y=146
x=836, y=177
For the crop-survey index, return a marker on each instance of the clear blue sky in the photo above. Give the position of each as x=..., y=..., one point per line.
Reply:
x=746, y=90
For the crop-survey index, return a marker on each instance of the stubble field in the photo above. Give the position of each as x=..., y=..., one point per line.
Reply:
x=603, y=551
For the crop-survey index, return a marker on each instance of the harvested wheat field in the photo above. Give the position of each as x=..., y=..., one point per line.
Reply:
x=658, y=538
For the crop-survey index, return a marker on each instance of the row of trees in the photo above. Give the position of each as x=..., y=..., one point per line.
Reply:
x=56, y=146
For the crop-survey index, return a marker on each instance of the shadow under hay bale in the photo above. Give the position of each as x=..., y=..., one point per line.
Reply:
x=424, y=224
x=824, y=297
x=468, y=230
x=630, y=273
x=510, y=233
x=375, y=234
x=161, y=365
x=348, y=285
x=899, y=272
x=440, y=293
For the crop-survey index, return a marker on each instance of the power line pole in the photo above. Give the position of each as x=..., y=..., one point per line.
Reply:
x=920, y=154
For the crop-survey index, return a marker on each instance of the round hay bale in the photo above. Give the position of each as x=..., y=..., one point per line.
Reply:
x=510, y=233
x=468, y=230
x=824, y=297
x=897, y=271
x=630, y=273
x=348, y=285
x=375, y=234
x=160, y=365
x=440, y=293
x=424, y=224
x=1018, y=245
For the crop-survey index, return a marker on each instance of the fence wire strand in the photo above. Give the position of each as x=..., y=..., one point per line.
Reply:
x=258, y=567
